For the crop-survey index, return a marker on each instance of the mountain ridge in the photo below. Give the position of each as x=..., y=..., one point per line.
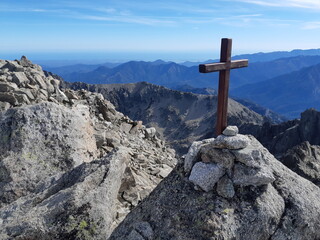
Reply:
x=288, y=94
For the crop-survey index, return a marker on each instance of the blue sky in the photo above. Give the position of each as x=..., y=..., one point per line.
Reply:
x=144, y=29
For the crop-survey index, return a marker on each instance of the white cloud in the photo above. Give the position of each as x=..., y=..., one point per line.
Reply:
x=311, y=25
x=312, y=4
x=128, y=19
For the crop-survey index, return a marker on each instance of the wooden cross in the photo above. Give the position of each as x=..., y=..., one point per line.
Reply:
x=223, y=67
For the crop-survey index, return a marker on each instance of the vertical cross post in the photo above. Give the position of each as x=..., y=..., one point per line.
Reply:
x=224, y=77
x=224, y=67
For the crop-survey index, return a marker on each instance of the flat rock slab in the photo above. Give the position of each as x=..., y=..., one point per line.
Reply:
x=245, y=176
x=205, y=175
x=214, y=155
x=231, y=142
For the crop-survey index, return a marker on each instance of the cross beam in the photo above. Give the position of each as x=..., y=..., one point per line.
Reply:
x=224, y=67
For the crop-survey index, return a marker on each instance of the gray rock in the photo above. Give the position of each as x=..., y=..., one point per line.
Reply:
x=150, y=132
x=165, y=170
x=221, y=156
x=100, y=137
x=26, y=92
x=19, y=78
x=8, y=97
x=225, y=187
x=250, y=156
x=231, y=142
x=206, y=175
x=136, y=127
x=245, y=176
x=80, y=203
x=4, y=106
x=50, y=88
x=13, y=66
x=125, y=127
x=29, y=141
x=37, y=78
x=8, y=86
x=60, y=96
x=191, y=157
x=208, y=140
x=25, y=62
x=304, y=159
x=70, y=94
x=22, y=98
x=231, y=131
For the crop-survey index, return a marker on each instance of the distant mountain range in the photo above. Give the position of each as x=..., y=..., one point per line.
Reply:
x=172, y=74
x=288, y=94
x=264, y=57
x=263, y=68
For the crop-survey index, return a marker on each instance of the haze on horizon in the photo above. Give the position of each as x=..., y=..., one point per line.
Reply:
x=119, y=30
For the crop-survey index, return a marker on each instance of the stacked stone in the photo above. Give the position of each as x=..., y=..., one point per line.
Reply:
x=22, y=83
x=225, y=162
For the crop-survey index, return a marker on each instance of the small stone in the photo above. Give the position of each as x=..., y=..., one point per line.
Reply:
x=206, y=175
x=70, y=94
x=165, y=171
x=125, y=127
x=4, y=106
x=25, y=62
x=50, y=88
x=136, y=127
x=208, y=140
x=231, y=142
x=245, y=176
x=150, y=132
x=100, y=137
x=231, y=131
x=249, y=156
x=225, y=187
x=191, y=156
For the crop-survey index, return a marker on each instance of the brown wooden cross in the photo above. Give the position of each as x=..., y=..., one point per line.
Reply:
x=223, y=67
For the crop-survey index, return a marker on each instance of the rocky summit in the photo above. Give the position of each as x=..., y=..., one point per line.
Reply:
x=234, y=190
x=71, y=166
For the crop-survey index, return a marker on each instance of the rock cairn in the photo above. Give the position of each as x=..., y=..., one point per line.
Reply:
x=225, y=162
x=230, y=187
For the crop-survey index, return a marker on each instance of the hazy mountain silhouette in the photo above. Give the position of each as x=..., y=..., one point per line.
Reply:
x=288, y=94
x=171, y=74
